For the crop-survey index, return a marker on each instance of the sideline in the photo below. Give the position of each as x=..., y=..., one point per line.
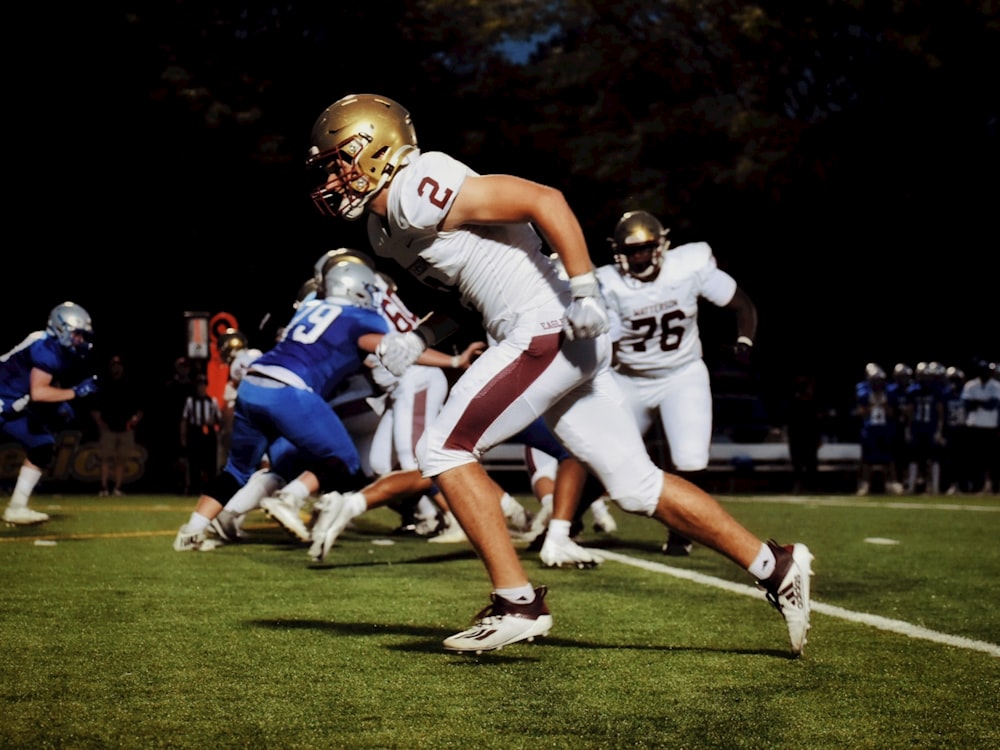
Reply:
x=863, y=618
x=834, y=502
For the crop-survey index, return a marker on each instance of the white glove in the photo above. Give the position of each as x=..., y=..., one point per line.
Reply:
x=397, y=351
x=586, y=316
x=384, y=379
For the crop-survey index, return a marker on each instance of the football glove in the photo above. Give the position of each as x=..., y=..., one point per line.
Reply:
x=85, y=388
x=397, y=351
x=65, y=412
x=384, y=379
x=586, y=316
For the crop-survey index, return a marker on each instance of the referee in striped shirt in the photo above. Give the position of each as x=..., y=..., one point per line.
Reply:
x=200, y=424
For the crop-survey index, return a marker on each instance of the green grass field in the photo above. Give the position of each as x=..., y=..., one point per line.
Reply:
x=113, y=640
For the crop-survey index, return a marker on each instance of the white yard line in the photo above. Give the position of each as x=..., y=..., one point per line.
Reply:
x=839, y=502
x=863, y=618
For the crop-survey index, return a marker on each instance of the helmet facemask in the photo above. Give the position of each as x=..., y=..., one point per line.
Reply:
x=642, y=261
x=639, y=244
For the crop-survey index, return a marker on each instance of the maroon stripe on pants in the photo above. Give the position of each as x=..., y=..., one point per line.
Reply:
x=500, y=392
x=419, y=417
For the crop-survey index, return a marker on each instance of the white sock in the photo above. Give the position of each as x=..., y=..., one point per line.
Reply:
x=763, y=565
x=297, y=491
x=197, y=522
x=260, y=485
x=355, y=503
x=558, y=529
x=509, y=505
x=27, y=478
x=519, y=595
x=426, y=508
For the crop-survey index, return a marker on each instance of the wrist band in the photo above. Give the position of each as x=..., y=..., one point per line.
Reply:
x=744, y=340
x=584, y=285
x=456, y=362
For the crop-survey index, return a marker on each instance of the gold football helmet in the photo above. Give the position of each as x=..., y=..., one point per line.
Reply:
x=361, y=141
x=230, y=342
x=639, y=244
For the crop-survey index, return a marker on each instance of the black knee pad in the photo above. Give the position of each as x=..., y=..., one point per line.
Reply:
x=333, y=475
x=41, y=455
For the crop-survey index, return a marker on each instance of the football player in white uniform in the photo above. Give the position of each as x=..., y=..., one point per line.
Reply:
x=481, y=236
x=652, y=297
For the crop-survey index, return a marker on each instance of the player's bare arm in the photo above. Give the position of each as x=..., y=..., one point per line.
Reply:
x=42, y=390
x=505, y=199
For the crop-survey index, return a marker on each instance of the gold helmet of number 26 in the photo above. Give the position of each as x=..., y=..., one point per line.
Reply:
x=360, y=141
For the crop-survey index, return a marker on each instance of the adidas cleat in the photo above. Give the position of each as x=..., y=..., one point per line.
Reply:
x=502, y=623
x=787, y=589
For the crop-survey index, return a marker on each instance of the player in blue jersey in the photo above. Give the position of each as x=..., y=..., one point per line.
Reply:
x=953, y=451
x=897, y=389
x=285, y=391
x=282, y=404
x=876, y=411
x=925, y=438
x=29, y=385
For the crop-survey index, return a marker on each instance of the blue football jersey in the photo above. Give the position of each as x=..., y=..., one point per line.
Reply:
x=320, y=343
x=38, y=349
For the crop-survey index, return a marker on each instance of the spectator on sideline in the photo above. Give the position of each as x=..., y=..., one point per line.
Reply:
x=803, y=425
x=652, y=293
x=117, y=412
x=201, y=420
x=161, y=424
x=29, y=386
x=482, y=236
x=982, y=406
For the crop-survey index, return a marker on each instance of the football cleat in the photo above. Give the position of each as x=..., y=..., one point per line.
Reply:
x=185, y=541
x=332, y=520
x=285, y=510
x=566, y=553
x=676, y=545
x=452, y=534
x=502, y=623
x=226, y=526
x=604, y=522
x=787, y=589
x=23, y=516
x=515, y=514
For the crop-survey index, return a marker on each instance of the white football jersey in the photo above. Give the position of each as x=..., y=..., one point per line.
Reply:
x=498, y=270
x=655, y=323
